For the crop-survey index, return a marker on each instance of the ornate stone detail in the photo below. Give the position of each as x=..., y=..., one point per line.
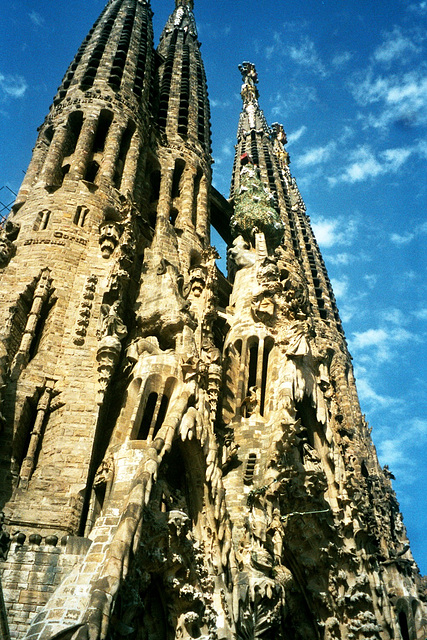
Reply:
x=85, y=310
x=109, y=236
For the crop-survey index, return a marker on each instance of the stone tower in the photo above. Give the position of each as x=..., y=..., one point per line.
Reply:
x=182, y=453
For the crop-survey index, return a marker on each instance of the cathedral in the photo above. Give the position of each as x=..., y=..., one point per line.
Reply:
x=182, y=454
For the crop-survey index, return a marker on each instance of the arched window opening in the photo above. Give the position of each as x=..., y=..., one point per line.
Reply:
x=173, y=214
x=42, y=220
x=164, y=403
x=195, y=259
x=75, y=123
x=307, y=416
x=177, y=176
x=154, y=185
x=147, y=417
x=268, y=345
x=92, y=171
x=403, y=624
x=80, y=216
x=104, y=122
x=252, y=370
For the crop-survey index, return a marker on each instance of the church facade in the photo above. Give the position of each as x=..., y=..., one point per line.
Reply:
x=183, y=453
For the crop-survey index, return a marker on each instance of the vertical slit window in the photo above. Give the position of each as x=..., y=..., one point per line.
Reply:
x=252, y=369
x=177, y=176
x=124, y=148
x=147, y=417
x=80, y=216
x=104, y=122
x=268, y=345
x=161, y=415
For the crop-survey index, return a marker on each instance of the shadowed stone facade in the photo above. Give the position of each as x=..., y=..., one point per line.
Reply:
x=182, y=454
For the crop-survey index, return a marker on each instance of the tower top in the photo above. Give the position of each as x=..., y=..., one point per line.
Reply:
x=184, y=3
x=249, y=91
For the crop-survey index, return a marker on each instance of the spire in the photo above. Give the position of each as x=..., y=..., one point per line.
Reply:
x=182, y=76
x=252, y=118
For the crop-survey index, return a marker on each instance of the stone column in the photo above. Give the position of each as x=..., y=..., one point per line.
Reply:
x=131, y=165
x=84, y=147
x=202, y=209
x=29, y=461
x=165, y=192
x=111, y=152
x=52, y=173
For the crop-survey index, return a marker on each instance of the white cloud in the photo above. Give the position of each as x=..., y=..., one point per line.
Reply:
x=395, y=47
x=421, y=314
x=403, y=239
x=365, y=164
x=36, y=19
x=369, y=338
x=12, y=86
x=316, y=155
x=398, y=450
x=296, y=97
x=367, y=394
x=341, y=59
x=296, y=135
x=400, y=98
x=334, y=231
x=220, y=104
x=306, y=55
x=340, y=287
x=370, y=279
x=375, y=346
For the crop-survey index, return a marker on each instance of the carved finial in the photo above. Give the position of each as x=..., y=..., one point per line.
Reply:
x=185, y=3
x=249, y=91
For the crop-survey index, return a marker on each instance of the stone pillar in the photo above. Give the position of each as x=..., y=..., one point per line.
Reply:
x=34, y=169
x=111, y=152
x=29, y=461
x=131, y=165
x=84, y=147
x=202, y=209
x=52, y=173
x=165, y=192
x=187, y=197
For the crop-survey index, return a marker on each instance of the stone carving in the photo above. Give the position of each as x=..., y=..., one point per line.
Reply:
x=111, y=332
x=109, y=236
x=85, y=310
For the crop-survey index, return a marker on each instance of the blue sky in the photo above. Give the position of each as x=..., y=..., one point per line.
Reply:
x=348, y=80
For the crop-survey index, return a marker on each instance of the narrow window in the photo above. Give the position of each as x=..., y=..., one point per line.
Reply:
x=147, y=417
x=403, y=624
x=104, y=122
x=161, y=415
x=253, y=362
x=44, y=218
x=80, y=216
x=268, y=345
x=177, y=175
